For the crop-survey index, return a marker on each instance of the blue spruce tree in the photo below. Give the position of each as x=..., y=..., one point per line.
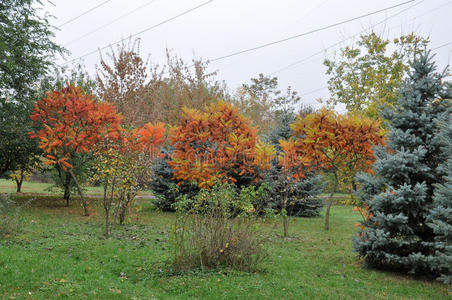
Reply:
x=440, y=217
x=400, y=193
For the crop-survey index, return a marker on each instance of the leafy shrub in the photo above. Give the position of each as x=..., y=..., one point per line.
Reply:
x=214, y=229
x=259, y=197
x=10, y=218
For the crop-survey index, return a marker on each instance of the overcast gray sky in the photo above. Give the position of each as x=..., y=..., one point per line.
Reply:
x=222, y=27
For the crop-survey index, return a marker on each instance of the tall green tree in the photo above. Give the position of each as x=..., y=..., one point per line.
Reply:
x=26, y=54
x=263, y=102
x=400, y=193
x=440, y=217
x=367, y=75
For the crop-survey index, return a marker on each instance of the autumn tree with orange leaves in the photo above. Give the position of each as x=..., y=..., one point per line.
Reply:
x=217, y=144
x=331, y=142
x=70, y=122
x=120, y=163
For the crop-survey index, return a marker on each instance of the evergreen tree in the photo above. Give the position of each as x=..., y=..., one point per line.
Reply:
x=302, y=197
x=282, y=131
x=400, y=193
x=440, y=216
x=165, y=187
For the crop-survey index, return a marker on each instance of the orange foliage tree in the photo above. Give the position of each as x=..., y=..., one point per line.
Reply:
x=120, y=164
x=71, y=122
x=217, y=143
x=331, y=142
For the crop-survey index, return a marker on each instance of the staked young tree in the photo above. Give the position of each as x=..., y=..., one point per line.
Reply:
x=400, y=191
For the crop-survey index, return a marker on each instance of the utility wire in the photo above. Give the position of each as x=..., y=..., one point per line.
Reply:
x=325, y=87
x=84, y=13
x=344, y=40
x=140, y=32
x=111, y=22
x=443, y=45
x=341, y=41
x=314, y=91
x=308, y=32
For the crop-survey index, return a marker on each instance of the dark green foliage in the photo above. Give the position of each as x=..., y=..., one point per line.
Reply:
x=163, y=185
x=26, y=53
x=301, y=194
x=440, y=217
x=307, y=204
x=400, y=194
x=17, y=151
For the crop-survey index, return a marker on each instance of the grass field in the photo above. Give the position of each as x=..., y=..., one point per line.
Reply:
x=8, y=186
x=59, y=254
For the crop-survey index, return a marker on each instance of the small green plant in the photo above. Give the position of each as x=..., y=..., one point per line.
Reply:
x=215, y=229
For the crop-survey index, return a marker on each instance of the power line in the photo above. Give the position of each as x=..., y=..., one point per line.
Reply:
x=84, y=13
x=341, y=41
x=111, y=22
x=325, y=87
x=140, y=32
x=308, y=32
x=314, y=91
x=350, y=37
x=443, y=45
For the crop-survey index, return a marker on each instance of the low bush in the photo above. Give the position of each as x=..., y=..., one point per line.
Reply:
x=216, y=229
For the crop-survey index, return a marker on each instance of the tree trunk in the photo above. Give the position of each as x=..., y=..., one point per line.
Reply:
x=19, y=181
x=107, y=206
x=330, y=202
x=122, y=210
x=67, y=188
x=80, y=192
x=286, y=225
x=107, y=223
x=354, y=186
x=285, y=216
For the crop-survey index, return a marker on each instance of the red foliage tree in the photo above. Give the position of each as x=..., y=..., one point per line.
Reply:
x=71, y=122
x=216, y=144
x=339, y=144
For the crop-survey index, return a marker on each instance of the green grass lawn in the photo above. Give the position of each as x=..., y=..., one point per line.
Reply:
x=9, y=186
x=61, y=255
